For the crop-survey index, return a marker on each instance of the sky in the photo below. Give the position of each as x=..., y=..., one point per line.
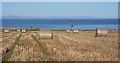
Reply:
x=60, y=0
x=60, y=9
x=0, y=10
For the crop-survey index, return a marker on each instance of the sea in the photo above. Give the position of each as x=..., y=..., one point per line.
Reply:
x=62, y=24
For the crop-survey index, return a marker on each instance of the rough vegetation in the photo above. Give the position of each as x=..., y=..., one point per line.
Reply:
x=80, y=46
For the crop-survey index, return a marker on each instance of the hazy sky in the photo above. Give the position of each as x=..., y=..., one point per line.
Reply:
x=61, y=9
x=60, y=0
x=0, y=10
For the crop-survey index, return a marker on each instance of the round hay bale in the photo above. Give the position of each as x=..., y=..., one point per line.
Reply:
x=18, y=30
x=68, y=31
x=76, y=31
x=45, y=34
x=23, y=30
x=6, y=30
x=100, y=32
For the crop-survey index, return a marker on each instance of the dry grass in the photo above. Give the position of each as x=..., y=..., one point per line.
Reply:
x=81, y=46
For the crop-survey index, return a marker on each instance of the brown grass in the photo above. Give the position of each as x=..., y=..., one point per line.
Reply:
x=81, y=46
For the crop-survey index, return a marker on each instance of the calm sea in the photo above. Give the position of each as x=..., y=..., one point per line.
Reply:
x=81, y=24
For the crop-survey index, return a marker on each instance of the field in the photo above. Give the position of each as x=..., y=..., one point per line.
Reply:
x=65, y=46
